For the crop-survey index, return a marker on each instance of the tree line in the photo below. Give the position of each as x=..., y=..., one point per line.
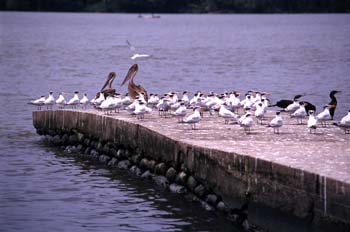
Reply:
x=180, y=6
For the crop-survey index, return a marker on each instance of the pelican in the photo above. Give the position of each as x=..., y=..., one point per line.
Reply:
x=133, y=89
x=107, y=87
x=276, y=123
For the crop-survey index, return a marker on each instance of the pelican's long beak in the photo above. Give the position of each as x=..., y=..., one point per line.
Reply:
x=131, y=73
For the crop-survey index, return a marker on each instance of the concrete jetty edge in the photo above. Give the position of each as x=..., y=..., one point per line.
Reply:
x=307, y=195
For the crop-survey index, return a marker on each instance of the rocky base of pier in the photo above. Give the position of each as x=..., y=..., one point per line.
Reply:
x=174, y=179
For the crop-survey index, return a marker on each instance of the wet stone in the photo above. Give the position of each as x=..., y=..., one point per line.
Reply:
x=176, y=188
x=121, y=154
x=68, y=150
x=151, y=165
x=56, y=140
x=73, y=139
x=146, y=175
x=192, y=197
x=65, y=139
x=171, y=174
x=104, y=159
x=200, y=190
x=206, y=206
x=79, y=147
x=112, y=162
x=184, y=168
x=160, y=169
x=135, y=159
x=144, y=164
x=221, y=206
x=99, y=147
x=135, y=170
x=113, y=152
x=105, y=149
x=86, y=142
x=161, y=181
x=124, y=164
x=212, y=199
x=181, y=178
x=87, y=151
x=80, y=137
x=191, y=183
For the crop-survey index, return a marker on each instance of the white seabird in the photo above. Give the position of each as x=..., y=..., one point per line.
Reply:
x=84, y=101
x=141, y=109
x=300, y=113
x=38, y=102
x=74, y=100
x=226, y=114
x=136, y=55
x=49, y=101
x=324, y=116
x=259, y=112
x=194, y=118
x=276, y=123
x=180, y=112
x=312, y=122
x=61, y=102
x=344, y=123
x=247, y=123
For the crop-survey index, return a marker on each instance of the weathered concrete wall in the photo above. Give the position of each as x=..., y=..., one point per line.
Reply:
x=304, y=194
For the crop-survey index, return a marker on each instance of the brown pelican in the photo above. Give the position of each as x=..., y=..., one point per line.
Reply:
x=133, y=89
x=107, y=87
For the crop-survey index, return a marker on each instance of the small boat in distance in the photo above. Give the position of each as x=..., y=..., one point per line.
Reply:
x=152, y=16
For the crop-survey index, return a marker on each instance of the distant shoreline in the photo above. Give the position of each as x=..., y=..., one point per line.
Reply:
x=181, y=6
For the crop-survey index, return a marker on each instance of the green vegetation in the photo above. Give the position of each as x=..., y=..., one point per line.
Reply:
x=181, y=6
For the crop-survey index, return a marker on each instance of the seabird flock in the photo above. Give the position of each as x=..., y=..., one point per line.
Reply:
x=243, y=112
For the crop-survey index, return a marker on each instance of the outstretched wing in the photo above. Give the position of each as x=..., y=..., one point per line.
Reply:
x=131, y=73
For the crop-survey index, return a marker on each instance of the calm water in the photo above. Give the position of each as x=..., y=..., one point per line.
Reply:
x=41, y=190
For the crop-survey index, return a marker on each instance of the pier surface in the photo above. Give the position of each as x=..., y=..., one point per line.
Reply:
x=294, y=171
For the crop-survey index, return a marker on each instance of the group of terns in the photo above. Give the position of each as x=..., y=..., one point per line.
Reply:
x=229, y=106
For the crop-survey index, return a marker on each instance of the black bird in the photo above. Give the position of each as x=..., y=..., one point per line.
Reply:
x=240, y=215
x=333, y=102
x=284, y=102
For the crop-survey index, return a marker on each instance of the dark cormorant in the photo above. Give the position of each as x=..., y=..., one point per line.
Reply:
x=284, y=103
x=333, y=102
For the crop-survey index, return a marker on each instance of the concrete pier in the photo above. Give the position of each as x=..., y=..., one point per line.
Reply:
x=307, y=175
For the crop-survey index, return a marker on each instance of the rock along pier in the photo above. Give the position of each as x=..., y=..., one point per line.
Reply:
x=307, y=175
